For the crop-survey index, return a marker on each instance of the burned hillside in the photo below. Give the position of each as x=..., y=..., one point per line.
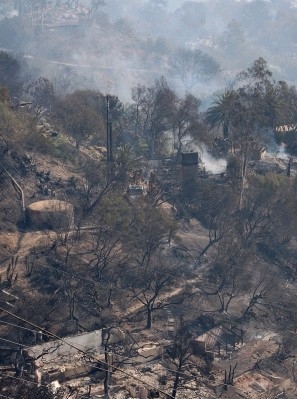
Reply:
x=113, y=224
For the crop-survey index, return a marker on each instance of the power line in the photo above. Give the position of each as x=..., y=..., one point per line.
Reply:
x=21, y=327
x=11, y=342
x=118, y=355
x=88, y=355
x=96, y=367
x=84, y=352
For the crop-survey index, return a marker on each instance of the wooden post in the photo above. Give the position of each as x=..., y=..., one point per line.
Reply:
x=229, y=376
x=232, y=375
x=225, y=381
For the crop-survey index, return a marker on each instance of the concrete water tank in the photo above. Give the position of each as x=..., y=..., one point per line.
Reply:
x=50, y=214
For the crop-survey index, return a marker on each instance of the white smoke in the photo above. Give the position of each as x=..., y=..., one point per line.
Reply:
x=273, y=148
x=278, y=151
x=210, y=163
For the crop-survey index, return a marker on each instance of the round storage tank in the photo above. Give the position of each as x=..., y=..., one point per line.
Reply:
x=50, y=214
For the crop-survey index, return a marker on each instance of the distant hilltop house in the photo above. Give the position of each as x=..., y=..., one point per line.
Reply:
x=55, y=16
x=286, y=128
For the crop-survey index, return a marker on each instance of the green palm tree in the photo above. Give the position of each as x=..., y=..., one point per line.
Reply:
x=220, y=113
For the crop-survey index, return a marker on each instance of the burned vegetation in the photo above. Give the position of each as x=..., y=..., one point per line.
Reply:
x=128, y=267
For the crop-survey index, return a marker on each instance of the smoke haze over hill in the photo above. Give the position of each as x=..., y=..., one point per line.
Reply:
x=113, y=47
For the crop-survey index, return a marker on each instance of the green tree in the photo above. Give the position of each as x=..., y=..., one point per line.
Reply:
x=125, y=161
x=259, y=93
x=78, y=114
x=246, y=113
x=221, y=111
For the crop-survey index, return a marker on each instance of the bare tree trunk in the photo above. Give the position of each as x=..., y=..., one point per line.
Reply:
x=149, y=321
x=206, y=248
x=243, y=176
x=109, y=304
x=176, y=382
x=228, y=303
x=222, y=301
x=106, y=377
x=251, y=304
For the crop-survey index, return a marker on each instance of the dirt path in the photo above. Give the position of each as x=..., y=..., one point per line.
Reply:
x=137, y=305
x=21, y=243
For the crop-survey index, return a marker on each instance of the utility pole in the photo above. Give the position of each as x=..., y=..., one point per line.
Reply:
x=107, y=130
x=108, y=134
x=110, y=142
